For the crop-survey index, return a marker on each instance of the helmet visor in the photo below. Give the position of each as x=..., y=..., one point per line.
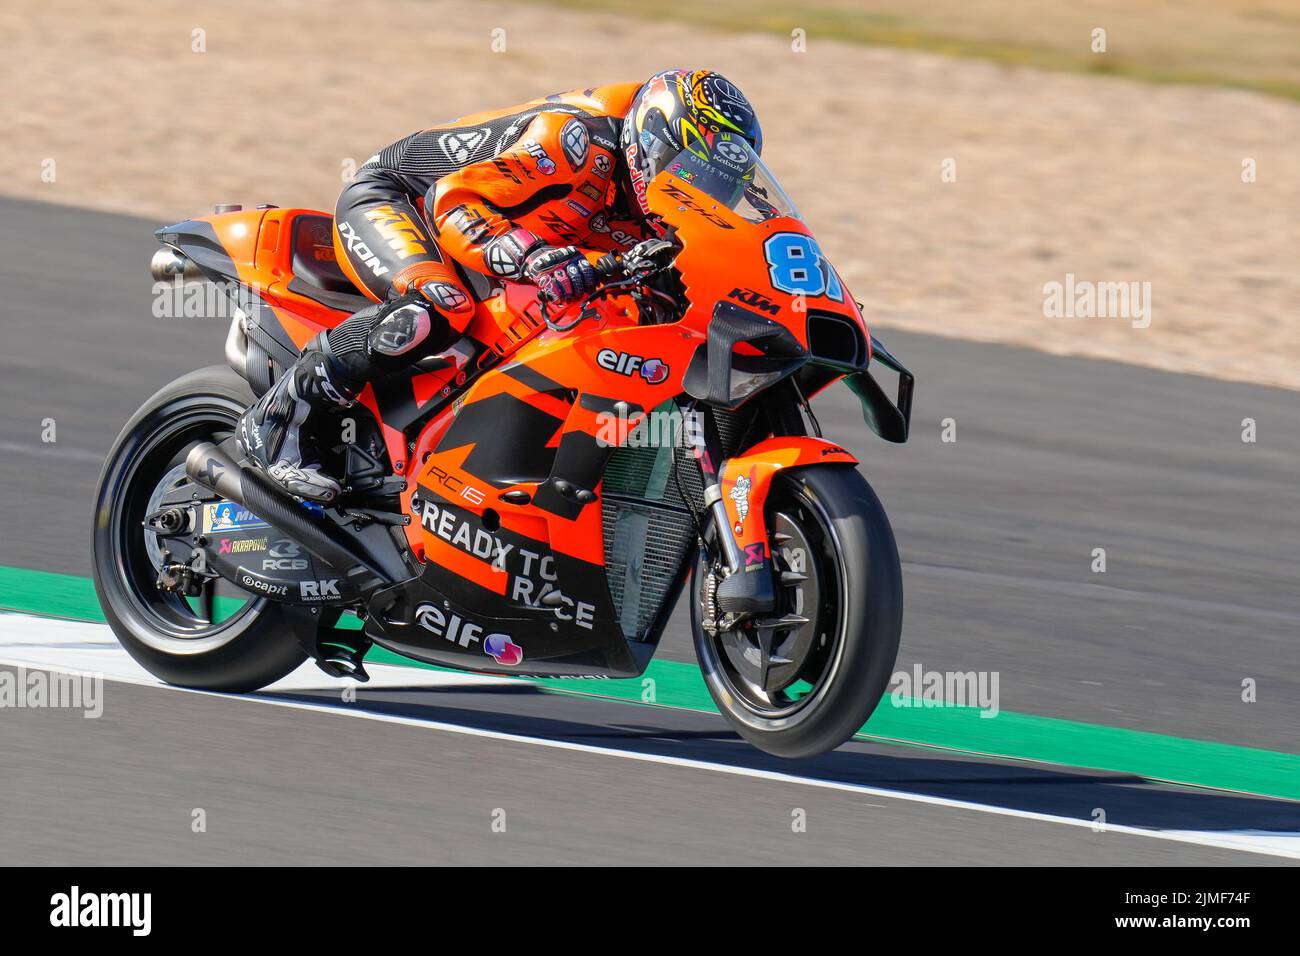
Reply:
x=731, y=172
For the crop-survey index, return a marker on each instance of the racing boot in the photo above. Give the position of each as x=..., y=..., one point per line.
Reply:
x=276, y=431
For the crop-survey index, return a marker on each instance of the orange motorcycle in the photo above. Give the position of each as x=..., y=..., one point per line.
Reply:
x=534, y=499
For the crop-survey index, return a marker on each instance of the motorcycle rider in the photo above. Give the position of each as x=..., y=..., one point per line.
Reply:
x=537, y=192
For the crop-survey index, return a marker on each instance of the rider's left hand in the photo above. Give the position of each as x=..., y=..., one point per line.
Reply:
x=649, y=256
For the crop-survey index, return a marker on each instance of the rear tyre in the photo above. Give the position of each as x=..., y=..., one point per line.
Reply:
x=258, y=641
x=802, y=689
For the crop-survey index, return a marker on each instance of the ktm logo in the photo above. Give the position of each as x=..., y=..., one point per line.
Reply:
x=755, y=300
x=401, y=233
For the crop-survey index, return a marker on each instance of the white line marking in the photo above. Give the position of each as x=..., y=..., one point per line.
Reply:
x=30, y=641
x=64, y=646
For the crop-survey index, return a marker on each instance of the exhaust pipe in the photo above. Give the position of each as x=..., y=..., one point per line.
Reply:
x=237, y=344
x=168, y=264
x=215, y=470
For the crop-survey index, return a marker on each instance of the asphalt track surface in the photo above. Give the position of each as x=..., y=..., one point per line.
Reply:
x=1054, y=457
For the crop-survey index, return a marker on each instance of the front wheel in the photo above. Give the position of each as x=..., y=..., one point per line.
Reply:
x=222, y=639
x=803, y=681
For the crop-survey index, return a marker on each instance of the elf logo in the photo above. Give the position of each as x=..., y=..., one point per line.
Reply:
x=460, y=631
x=653, y=370
x=503, y=650
x=451, y=626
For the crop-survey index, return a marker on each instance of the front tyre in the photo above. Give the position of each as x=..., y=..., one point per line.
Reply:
x=219, y=641
x=802, y=682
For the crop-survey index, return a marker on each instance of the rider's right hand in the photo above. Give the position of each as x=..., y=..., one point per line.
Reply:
x=562, y=274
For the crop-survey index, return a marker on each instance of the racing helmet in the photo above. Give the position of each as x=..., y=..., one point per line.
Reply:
x=678, y=110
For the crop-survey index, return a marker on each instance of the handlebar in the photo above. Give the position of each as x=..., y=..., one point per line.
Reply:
x=618, y=272
x=608, y=266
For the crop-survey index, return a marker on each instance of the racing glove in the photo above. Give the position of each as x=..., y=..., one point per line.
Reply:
x=649, y=256
x=563, y=274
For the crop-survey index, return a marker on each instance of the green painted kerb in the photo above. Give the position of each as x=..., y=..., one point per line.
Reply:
x=1017, y=736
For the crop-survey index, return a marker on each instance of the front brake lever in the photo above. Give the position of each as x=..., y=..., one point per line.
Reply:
x=607, y=289
x=582, y=311
x=635, y=274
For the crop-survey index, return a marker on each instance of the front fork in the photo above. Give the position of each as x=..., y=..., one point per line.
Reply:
x=735, y=493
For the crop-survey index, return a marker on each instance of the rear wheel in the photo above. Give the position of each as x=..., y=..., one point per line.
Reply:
x=804, y=680
x=221, y=639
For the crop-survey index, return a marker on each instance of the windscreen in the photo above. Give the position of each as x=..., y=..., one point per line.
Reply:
x=733, y=174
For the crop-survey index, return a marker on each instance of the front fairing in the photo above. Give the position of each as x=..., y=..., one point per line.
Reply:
x=773, y=268
x=762, y=293
x=770, y=304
